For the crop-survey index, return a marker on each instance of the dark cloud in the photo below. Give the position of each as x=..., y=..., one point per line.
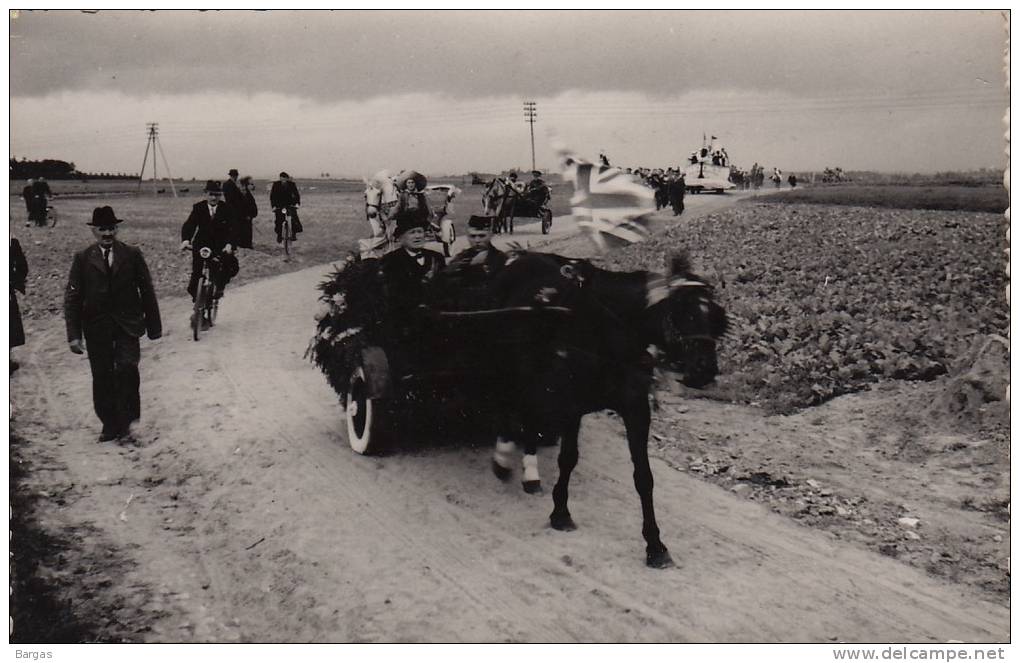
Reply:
x=330, y=56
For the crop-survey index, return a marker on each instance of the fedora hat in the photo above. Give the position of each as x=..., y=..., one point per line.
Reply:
x=103, y=216
x=407, y=220
x=213, y=186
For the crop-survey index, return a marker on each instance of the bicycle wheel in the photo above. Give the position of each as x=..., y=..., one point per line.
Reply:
x=286, y=237
x=197, y=309
x=51, y=216
x=212, y=306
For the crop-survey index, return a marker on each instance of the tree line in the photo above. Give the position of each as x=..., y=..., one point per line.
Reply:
x=55, y=169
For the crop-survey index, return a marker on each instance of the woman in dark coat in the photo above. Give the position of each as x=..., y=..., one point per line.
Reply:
x=19, y=272
x=249, y=210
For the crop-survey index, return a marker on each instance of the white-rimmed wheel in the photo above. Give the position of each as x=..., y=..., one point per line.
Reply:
x=366, y=432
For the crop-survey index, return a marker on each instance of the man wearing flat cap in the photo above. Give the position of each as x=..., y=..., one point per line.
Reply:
x=538, y=190
x=471, y=270
x=283, y=195
x=109, y=303
x=211, y=223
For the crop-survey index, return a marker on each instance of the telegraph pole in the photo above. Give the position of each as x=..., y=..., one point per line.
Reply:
x=153, y=141
x=529, y=116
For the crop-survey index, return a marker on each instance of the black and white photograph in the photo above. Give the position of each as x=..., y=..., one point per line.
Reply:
x=510, y=326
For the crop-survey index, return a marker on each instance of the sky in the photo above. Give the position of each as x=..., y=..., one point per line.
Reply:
x=351, y=92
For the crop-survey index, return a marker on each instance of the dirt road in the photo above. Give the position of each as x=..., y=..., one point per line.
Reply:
x=244, y=517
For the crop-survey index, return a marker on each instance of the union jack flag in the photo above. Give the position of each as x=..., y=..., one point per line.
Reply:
x=611, y=205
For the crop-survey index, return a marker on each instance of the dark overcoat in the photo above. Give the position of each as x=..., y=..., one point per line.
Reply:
x=19, y=273
x=284, y=194
x=99, y=299
x=203, y=230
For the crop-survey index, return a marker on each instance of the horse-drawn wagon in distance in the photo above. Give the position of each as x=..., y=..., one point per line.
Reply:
x=387, y=194
x=506, y=199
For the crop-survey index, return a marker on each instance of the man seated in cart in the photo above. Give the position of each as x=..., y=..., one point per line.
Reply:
x=408, y=273
x=538, y=190
x=468, y=274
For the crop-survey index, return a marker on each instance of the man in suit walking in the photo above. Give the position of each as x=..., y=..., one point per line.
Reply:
x=284, y=194
x=232, y=194
x=109, y=303
x=211, y=223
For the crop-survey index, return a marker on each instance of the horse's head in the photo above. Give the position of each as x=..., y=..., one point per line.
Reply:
x=494, y=192
x=690, y=321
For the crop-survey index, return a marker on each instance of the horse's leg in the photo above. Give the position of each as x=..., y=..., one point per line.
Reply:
x=502, y=458
x=637, y=420
x=560, y=517
x=530, y=479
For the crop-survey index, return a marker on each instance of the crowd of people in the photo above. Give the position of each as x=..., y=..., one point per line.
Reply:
x=669, y=186
x=109, y=299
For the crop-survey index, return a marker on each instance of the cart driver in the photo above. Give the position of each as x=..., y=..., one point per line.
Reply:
x=538, y=190
x=471, y=270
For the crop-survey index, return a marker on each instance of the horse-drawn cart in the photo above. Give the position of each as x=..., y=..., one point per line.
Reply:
x=385, y=194
x=508, y=201
x=446, y=366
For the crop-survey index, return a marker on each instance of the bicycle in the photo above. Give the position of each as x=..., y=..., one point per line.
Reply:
x=286, y=228
x=206, y=302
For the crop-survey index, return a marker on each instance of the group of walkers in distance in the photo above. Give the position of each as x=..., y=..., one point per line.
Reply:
x=36, y=195
x=669, y=186
x=755, y=178
x=110, y=301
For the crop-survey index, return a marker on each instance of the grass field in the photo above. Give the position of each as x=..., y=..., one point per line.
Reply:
x=923, y=196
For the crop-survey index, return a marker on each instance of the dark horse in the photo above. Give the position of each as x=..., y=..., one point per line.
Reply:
x=599, y=360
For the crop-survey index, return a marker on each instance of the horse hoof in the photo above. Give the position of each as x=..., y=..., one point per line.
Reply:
x=532, y=487
x=660, y=560
x=562, y=523
x=502, y=473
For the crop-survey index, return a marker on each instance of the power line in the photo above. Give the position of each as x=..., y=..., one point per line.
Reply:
x=529, y=116
x=153, y=141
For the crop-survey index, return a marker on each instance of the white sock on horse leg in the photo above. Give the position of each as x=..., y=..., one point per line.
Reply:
x=530, y=468
x=504, y=452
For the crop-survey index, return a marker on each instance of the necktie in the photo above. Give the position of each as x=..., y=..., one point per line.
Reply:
x=106, y=257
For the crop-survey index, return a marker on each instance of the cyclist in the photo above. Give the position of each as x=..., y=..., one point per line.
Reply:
x=212, y=224
x=284, y=195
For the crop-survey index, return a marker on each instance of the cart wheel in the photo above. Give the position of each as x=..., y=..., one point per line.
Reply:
x=546, y=221
x=365, y=429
